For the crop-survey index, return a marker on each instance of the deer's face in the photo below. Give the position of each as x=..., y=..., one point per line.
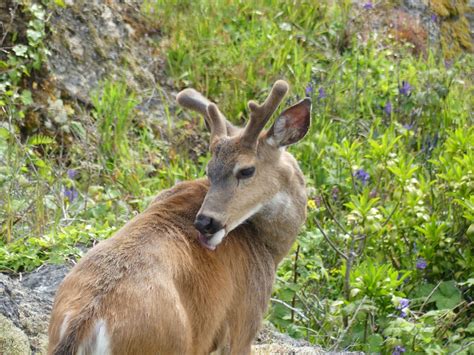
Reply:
x=245, y=170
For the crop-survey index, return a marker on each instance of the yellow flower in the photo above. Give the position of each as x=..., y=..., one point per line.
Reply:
x=311, y=204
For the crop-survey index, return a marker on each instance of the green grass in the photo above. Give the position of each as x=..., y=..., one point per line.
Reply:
x=390, y=189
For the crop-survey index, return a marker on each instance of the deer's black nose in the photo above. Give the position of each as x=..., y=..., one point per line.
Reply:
x=206, y=224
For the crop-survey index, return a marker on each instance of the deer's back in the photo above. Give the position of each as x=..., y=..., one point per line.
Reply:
x=153, y=289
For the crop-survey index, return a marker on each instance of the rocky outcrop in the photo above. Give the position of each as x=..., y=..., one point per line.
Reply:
x=444, y=24
x=25, y=304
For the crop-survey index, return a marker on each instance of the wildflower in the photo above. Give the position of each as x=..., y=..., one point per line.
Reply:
x=321, y=93
x=421, y=264
x=408, y=126
x=388, y=108
x=309, y=90
x=434, y=18
x=72, y=174
x=335, y=193
x=398, y=350
x=368, y=6
x=403, y=303
x=70, y=193
x=362, y=175
x=405, y=89
x=402, y=307
x=311, y=204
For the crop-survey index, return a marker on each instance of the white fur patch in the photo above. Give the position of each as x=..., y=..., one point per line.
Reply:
x=245, y=217
x=281, y=201
x=64, y=325
x=216, y=238
x=98, y=342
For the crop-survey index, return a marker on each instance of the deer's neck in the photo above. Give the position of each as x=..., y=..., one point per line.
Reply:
x=280, y=219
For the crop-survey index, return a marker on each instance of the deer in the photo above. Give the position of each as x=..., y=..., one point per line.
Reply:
x=193, y=273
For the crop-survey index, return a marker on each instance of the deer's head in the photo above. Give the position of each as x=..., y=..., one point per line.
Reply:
x=246, y=169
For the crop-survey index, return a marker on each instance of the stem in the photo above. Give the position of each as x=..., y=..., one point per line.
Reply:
x=347, y=281
x=295, y=279
x=333, y=246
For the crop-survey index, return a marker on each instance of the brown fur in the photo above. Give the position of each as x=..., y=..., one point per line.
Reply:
x=135, y=280
x=157, y=290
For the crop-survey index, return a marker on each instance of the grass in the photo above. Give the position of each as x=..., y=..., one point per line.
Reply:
x=382, y=263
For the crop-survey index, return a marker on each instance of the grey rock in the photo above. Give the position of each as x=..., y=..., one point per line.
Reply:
x=27, y=302
x=94, y=41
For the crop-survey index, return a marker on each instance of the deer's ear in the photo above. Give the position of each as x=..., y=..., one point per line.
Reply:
x=291, y=126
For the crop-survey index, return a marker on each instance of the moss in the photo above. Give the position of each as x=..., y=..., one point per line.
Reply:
x=446, y=8
x=12, y=340
x=455, y=37
x=455, y=31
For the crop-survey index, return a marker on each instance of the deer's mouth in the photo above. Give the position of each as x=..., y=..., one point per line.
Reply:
x=211, y=241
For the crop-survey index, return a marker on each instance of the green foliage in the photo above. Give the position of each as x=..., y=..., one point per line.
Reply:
x=113, y=109
x=22, y=59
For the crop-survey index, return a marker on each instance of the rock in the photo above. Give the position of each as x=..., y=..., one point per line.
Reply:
x=12, y=340
x=27, y=302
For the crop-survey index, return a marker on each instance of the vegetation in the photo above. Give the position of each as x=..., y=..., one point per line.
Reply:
x=385, y=263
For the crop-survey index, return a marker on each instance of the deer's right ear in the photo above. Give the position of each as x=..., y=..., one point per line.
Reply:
x=291, y=126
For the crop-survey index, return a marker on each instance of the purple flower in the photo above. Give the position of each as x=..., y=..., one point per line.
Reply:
x=434, y=18
x=398, y=350
x=72, y=174
x=405, y=89
x=403, y=303
x=335, y=193
x=321, y=93
x=388, y=108
x=421, y=264
x=408, y=126
x=362, y=175
x=309, y=89
x=368, y=6
x=70, y=193
x=402, y=307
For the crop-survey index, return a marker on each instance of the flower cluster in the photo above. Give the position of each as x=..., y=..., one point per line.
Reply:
x=405, y=89
x=403, y=305
x=398, y=350
x=362, y=175
x=421, y=264
x=368, y=6
x=70, y=193
x=388, y=108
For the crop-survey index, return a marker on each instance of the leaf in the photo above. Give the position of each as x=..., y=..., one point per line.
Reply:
x=40, y=139
x=447, y=295
x=26, y=97
x=20, y=50
x=374, y=343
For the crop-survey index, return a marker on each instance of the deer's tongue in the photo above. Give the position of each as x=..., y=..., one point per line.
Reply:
x=204, y=241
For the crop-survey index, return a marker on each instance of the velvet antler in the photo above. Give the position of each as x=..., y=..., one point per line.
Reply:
x=193, y=100
x=260, y=114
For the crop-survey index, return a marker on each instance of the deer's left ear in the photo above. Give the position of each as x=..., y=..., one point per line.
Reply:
x=291, y=126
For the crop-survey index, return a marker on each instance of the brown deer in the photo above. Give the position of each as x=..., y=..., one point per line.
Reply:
x=193, y=273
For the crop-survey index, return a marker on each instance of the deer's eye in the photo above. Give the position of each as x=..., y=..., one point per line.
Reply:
x=245, y=173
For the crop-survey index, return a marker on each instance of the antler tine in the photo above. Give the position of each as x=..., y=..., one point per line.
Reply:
x=193, y=100
x=260, y=114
